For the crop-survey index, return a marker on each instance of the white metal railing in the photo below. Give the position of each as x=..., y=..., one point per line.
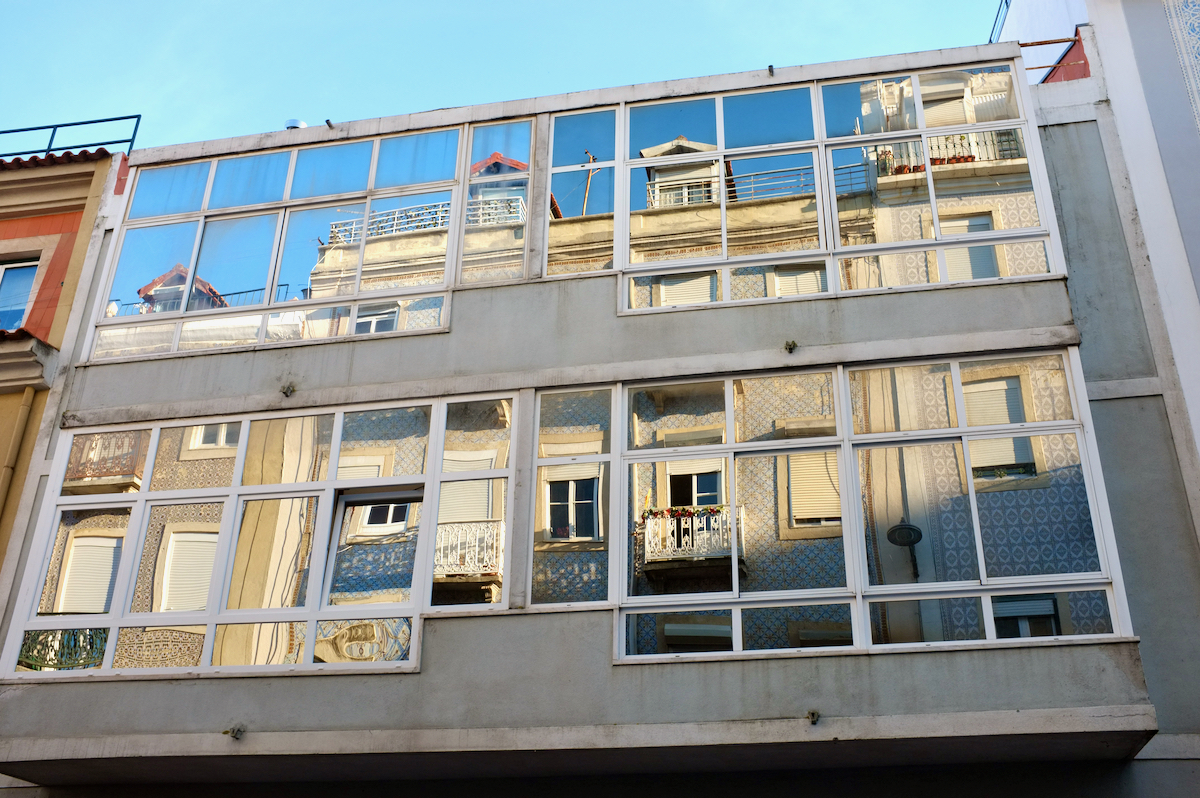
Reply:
x=433, y=216
x=471, y=547
x=704, y=534
x=485, y=211
x=667, y=192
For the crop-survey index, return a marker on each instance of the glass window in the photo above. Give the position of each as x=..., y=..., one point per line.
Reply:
x=1015, y=390
x=917, y=514
x=810, y=626
x=968, y=96
x=399, y=314
x=62, y=650
x=774, y=408
x=674, y=290
x=692, y=414
x=570, y=556
x=170, y=189
x=84, y=562
x=575, y=423
x=320, y=253
x=498, y=149
x=584, y=138
x=384, y=443
x=675, y=212
x=581, y=221
x=339, y=169
x=679, y=632
x=882, y=193
x=178, y=553
x=494, y=241
x=370, y=640
x=159, y=646
x=468, y=552
x=106, y=462
x=771, y=204
x=926, y=621
x=16, y=283
x=419, y=158
x=146, y=339
x=982, y=182
x=769, y=117
x=889, y=270
x=308, y=324
x=259, y=643
x=153, y=270
x=991, y=260
x=374, y=552
x=234, y=261
x=250, y=180
x=1052, y=614
x=477, y=435
x=286, y=450
x=220, y=332
x=406, y=241
x=270, y=564
x=903, y=398
x=882, y=105
x=671, y=128
x=196, y=457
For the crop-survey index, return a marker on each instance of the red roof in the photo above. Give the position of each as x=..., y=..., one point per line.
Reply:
x=497, y=159
x=35, y=161
x=198, y=285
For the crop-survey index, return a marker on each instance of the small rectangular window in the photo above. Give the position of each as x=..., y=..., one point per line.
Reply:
x=16, y=284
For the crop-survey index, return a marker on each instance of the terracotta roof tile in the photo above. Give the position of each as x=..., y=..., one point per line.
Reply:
x=35, y=161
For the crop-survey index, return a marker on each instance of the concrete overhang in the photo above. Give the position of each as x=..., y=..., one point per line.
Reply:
x=53, y=187
x=25, y=362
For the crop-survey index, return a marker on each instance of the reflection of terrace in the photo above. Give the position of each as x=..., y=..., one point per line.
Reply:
x=165, y=294
x=107, y=463
x=682, y=546
x=467, y=561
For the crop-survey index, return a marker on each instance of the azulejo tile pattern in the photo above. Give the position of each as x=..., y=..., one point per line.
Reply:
x=760, y=404
x=160, y=516
x=576, y=412
x=404, y=431
x=373, y=571
x=1089, y=612
x=702, y=410
x=172, y=473
x=150, y=647
x=560, y=577
x=766, y=628
x=642, y=629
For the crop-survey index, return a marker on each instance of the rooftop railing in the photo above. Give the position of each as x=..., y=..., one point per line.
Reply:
x=772, y=184
x=55, y=143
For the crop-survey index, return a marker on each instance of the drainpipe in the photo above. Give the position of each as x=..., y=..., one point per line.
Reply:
x=14, y=444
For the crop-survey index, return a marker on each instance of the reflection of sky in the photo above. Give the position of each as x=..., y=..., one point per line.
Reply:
x=300, y=255
x=175, y=189
x=510, y=140
x=637, y=189
x=771, y=117
x=501, y=188
x=235, y=254
x=411, y=201
x=796, y=177
x=422, y=158
x=332, y=170
x=843, y=104
x=568, y=189
x=14, y=295
x=148, y=252
x=249, y=181
x=594, y=132
x=848, y=156
x=649, y=125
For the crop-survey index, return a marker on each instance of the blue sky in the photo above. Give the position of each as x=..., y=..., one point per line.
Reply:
x=215, y=68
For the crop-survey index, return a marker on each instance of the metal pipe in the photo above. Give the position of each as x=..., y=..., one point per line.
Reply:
x=14, y=445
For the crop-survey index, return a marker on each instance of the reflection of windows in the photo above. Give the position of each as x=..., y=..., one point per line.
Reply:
x=469, y=500
x=695, y=483
x=998, y=401
x=377, y=521
x=90, y=575
x=574, y=511
x=376, y=322
x=687, y=289
x=970, y=263
x=216, y=436
x=190, y=557
x=16, y=282
x=1026, y=616
x=813, y=495
x=798, y=280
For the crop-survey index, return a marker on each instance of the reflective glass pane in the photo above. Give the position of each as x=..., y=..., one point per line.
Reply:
x=201, y=456
x=332, y=170
x=62, y=649
x=286, y=450
x=927, y=621
x=374, y=552
x=1052, y=614
x=320, y=253
x=1015, y=390
x=477, y=435
x=159, y=647
x=106, y=462
x=581, y=221
x=769, y=117
x=916, y=267
x=678, y=632
x=677, y=415
x=219, y=333
x=170, y=189
x=570, y=551
x=882, y=193
x=1034, y=516
x=903, y=398
x=870, y=106
x=995, y=260
x=270, y=564
x=14, y=295
x=585, y=138
x=308, y=325
x=773, y=408
x=680, y=527
x=259, y=643
x=494, y=241
x=674, y=290
x=384, y=443
x=422, y=313
x=967, y=96
x=468, y=552
x=575, y=423
x=421, y=158
x=249, y=181
x=83, y=563
x=673, y=128
x=771, y=204
x=177, y=558
x=790, y=513
x=675, y=212
x=406, y=241
x=917, y=514
x=499, y=149
x=760, y=282
x=982, y=182
x=812, y=626
x=148, y=339
x=372, y=640
x=153, y=270
x=234, y=261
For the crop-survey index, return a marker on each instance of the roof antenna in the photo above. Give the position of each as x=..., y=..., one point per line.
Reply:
x=771, y=70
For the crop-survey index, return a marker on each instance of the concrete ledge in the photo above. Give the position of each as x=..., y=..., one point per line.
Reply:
x=26, y=363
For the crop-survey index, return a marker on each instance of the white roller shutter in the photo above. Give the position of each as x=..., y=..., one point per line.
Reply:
x=945, y=112
x=568, y=449
x=357, y=471
x=689, y=289
x=561, y=473
x=706, y=466
x=91, y=573
x=797, y=281
x=996, y=402
x=969, y=263
x=190, y=557
x=813, y=486
x=470, y=500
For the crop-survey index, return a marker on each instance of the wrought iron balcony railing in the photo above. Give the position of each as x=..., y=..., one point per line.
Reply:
x=706, y=533
x=111, y=454
x=468, y=548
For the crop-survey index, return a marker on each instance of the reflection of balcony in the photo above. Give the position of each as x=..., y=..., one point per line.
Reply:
x=708, y=533
x=489, y=211
x=433, y=216
x=467, y=562
x=62, y=649
x=772, y=184
x=111, y=462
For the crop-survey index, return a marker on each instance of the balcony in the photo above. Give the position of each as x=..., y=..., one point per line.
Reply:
x=110, y=462
x=688, y=543
x=468, y=559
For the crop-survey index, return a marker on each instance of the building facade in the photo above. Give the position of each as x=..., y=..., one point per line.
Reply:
x=785, y=421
